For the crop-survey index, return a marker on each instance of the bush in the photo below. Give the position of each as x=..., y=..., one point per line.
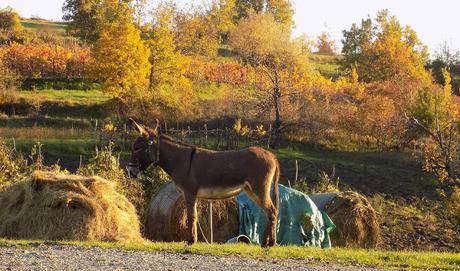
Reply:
x=139, y=192
x=453, y=206
x=47, y=60
x=9, y=82
x=12, y=165
x=324, y=184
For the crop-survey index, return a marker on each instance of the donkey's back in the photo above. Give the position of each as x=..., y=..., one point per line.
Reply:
x=222, y=174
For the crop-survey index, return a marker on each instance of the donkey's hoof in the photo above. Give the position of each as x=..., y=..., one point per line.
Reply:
x=191, y=242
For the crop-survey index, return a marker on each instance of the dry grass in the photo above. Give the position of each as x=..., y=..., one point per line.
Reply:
x=167, y=221
x=38, y=132
x=54, y=206
x=356, y=221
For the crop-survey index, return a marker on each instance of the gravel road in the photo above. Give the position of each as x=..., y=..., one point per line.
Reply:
x=60, y=257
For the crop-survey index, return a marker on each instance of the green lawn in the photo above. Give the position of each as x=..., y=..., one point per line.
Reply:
x=338, y=256
x=69, y=96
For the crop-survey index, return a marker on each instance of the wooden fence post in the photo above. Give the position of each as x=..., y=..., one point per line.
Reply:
x=296, y=171
x=211, y=239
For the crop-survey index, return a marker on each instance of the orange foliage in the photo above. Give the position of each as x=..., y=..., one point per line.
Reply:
x=47, y=61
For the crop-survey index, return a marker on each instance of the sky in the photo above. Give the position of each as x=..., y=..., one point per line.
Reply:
x=435, y=22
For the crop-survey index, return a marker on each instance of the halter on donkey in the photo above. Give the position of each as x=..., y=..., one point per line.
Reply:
x=207, y=174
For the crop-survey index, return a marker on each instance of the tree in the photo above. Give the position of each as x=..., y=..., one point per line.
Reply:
x=325, y=44
x=265, y=45
x=9, y=20
x=10, y=26
x=122, y=64
x=437, y=114
x=382, y=50
x=281, y=10
x=87, y=17
x=196, y=34
x=446, y=58
x=168, y=64
x=222, y=14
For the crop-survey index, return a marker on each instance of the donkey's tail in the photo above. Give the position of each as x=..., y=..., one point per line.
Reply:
x=276, y=190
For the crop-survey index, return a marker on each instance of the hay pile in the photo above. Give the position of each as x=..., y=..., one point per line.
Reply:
x=356, y=220
x=67, y=207
x=167, y=221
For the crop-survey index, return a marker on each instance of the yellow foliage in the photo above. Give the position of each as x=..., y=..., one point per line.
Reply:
x=109, y=127
x=260, y=130
x=122, y=59
x=240, y=129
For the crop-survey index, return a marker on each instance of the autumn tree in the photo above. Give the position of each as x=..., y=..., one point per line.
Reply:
x=87, y=17
x=168, y=64
x=122, y=64
x=169, y=90
x=446, y=58
x=382, y=49
x=436, y=113
x=196, y=34
x=325, y=44
x=10, y=25
x=266, y=45
x=9, y=20
x=221, y=14
x=281, y=10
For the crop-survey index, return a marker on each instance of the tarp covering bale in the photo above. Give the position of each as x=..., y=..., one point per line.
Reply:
x=300, y=222
x=54, y=206
x=167, y=221
x=355, y=219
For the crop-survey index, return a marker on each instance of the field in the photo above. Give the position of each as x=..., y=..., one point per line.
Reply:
x=398, y=188
x=69, y=118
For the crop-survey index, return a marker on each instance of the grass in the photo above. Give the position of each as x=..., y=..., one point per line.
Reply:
x=69, y=96
x=68, y=103
x=336, y=256
x=389, y=173
x=44, y=25
x=327, y=65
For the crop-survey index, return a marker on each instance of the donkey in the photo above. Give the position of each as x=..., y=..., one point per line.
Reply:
x=207, y=174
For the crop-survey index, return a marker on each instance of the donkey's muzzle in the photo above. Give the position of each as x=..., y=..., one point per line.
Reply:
x=133, y=170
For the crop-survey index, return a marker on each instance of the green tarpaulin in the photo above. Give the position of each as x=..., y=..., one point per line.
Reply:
x=300, y=222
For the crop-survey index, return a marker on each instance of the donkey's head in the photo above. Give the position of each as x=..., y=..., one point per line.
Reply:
x=145, y=150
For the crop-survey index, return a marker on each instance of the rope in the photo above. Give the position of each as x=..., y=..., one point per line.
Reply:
x=201, y=230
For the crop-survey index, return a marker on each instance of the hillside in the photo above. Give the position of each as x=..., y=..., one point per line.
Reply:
x=42, y=25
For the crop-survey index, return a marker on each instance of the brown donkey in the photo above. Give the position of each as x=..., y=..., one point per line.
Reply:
x=207, y=174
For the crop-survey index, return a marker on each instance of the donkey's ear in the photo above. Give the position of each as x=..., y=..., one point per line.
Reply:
x=139, y=128
x=155, y=128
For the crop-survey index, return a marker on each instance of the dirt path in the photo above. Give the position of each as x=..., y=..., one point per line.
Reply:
x=79, y=258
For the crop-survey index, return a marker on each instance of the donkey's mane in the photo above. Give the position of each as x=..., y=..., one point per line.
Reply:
x=175, y=141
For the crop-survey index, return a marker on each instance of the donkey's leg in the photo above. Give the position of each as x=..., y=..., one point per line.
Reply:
x=190, y=203
x=262, y=198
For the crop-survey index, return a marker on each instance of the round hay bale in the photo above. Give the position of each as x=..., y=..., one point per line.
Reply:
x=355, y=219
x=54, y=206
x=167, y=221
